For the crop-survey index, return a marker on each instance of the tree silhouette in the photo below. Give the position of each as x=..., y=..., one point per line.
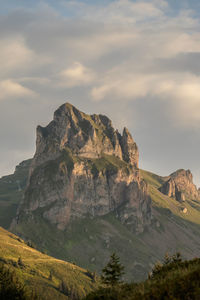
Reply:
x=113, y=271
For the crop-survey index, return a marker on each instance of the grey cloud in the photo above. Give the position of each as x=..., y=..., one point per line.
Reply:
x=114, y=52
x=183, y=62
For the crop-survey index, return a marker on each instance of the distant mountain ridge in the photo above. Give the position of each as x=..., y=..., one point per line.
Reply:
x=180, y=186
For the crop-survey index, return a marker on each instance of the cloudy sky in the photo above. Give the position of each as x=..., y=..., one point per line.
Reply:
x=137, y=61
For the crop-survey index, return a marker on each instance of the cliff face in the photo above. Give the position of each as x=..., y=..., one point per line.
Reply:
x=83, y=166
x=180, y=186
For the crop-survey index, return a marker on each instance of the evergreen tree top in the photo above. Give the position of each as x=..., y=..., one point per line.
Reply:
x=113, y=271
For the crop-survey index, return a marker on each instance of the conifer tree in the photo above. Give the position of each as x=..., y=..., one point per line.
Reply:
x=113, y=271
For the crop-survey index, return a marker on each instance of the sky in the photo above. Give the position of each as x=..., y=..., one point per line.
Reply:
x=136, y=61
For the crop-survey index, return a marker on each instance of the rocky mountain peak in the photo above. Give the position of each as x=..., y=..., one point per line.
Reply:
x=82, y=166
x=182, y=174
x=85, y=135
x=180, y=186
x=129, y=148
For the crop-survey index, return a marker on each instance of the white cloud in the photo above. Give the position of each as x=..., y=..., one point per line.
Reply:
x=180, y=91
x=17, y=58
x=180, y=42
x=184, y=101
x=13, y=54
x=127, y=87
x=11, y=89
x=76, y=75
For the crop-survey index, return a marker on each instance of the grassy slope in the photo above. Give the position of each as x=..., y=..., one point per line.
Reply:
x=37, y=267
x=162, y=201
x=173, y=230
x=90, y=241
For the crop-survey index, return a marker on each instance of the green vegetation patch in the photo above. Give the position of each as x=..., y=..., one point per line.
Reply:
x=152, y=178
x=51, y=167
x=41, y=273
x=89, y=242
x=174, y=207
x=172, y=280
x=108, y=163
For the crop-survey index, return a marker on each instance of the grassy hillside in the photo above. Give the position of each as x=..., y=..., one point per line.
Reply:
x=161, y=201
x=174, y=280
x=43, y=273
x=152, y=179
x=90, y=241
x=173, y=229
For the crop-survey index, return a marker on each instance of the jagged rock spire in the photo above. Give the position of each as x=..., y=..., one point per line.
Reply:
x=129, y=148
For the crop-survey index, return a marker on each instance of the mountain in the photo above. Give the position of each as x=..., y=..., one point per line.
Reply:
x=41, y=273
x=86, y=198
x=83, y=166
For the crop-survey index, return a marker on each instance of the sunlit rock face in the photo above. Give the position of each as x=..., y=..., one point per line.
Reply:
x=83, y=166
x=180, y=186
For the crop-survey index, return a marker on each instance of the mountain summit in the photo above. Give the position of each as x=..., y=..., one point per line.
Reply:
x=86, y=136
x=83, y=166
